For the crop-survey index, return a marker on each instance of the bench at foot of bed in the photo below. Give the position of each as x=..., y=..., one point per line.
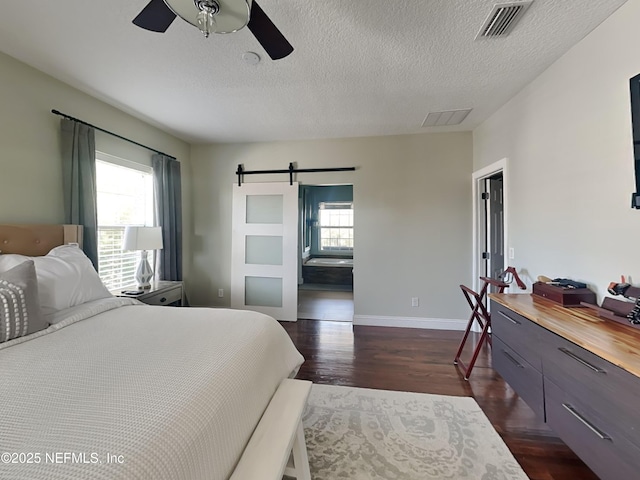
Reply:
x=277, y=446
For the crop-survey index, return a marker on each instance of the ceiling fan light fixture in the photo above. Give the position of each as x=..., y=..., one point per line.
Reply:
x=230, y=15
x=217, y=16
x=207, y=17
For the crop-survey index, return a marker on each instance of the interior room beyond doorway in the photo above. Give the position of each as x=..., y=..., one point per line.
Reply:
x=326, y=231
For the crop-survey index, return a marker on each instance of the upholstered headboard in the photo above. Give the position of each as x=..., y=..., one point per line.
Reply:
x=37, y=240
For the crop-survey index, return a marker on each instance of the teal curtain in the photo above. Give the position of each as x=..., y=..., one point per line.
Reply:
x=79, y=183
x=168, y=203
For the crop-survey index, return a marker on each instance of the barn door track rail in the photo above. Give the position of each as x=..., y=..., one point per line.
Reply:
x=291, y=170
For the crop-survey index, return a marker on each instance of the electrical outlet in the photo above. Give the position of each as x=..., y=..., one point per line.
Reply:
x=512, y=253
x=415, y=302
x=220, y=292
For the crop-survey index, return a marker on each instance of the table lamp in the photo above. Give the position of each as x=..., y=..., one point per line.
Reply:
x=143, y=239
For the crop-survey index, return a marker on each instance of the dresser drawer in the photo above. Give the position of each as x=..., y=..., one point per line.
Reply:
x=609, y=389
x=599, y=444
x=165, y=297
x=518, y=332
x=520, y=375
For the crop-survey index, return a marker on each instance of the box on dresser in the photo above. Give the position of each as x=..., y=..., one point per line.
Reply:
x=565, y=296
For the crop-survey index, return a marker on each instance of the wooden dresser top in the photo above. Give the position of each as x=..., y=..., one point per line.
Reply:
x=614, y=342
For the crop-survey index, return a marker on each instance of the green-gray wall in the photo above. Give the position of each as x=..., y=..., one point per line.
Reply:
x=567, y=140
x=30, y=162
x=412, y=197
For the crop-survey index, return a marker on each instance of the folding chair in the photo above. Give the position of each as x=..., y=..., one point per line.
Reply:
x=480, y=313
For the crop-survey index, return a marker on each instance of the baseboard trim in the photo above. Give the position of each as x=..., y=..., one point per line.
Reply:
x=410, y=322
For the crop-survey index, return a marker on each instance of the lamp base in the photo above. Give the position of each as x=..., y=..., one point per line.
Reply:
x=144, y=273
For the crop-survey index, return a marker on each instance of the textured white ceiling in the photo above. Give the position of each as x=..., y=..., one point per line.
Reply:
x=360, y=68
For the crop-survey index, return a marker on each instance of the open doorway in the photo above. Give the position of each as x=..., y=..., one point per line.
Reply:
x=326, y=231
x=493, y=252
x=490, y=221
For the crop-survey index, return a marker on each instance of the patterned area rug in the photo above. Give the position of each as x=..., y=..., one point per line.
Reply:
x=363, y=434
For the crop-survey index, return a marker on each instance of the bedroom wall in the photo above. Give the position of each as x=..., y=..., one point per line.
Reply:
x=30, y=163
x=412, y=203
x=567, y=137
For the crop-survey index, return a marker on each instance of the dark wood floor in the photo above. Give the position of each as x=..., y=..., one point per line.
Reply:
x=422, y=361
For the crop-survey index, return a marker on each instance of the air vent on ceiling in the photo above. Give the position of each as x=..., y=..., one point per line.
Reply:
x=502, y=19
x=450, y=117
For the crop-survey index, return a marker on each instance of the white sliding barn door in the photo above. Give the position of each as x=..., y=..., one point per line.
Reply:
x=264, y=260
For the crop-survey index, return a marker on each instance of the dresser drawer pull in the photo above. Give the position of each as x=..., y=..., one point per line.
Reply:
x=163, y=299
x=580, y=360
x=515, y=322
x=587, y=423
x=510, y=357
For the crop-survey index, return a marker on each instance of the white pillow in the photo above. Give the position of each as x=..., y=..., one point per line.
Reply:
x=66, y=278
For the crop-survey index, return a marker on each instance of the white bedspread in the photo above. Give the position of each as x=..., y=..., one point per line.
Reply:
x=138, y=392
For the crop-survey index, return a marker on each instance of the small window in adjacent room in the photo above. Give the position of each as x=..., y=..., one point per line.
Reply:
x=125, y=197
x=336, y=226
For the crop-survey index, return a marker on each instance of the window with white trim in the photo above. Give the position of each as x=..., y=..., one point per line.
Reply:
x=335, y=223
x=125, y=197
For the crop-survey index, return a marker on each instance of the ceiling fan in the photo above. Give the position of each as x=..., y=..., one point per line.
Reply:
x=216, y=16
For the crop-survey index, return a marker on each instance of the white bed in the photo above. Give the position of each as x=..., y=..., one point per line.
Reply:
x=115, y=389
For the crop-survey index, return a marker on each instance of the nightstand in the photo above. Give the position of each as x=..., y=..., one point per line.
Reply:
x=160, y=293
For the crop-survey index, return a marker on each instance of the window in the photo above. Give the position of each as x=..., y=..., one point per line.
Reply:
x=336, y=226
x=125, y=197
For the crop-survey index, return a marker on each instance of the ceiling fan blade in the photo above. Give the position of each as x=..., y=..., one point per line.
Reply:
x=156, y=16
x=267, y=34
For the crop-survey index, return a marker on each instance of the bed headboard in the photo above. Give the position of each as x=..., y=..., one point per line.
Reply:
x=37, y=240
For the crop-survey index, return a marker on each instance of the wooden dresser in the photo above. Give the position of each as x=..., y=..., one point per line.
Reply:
x=579, y=373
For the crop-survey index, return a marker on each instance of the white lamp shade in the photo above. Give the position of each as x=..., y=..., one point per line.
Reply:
x=142, y=238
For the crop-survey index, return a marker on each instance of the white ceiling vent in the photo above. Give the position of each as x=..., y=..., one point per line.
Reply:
x=450, y=117
x=502, y=19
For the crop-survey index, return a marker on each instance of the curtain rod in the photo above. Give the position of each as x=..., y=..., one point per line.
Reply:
x=69, y=117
